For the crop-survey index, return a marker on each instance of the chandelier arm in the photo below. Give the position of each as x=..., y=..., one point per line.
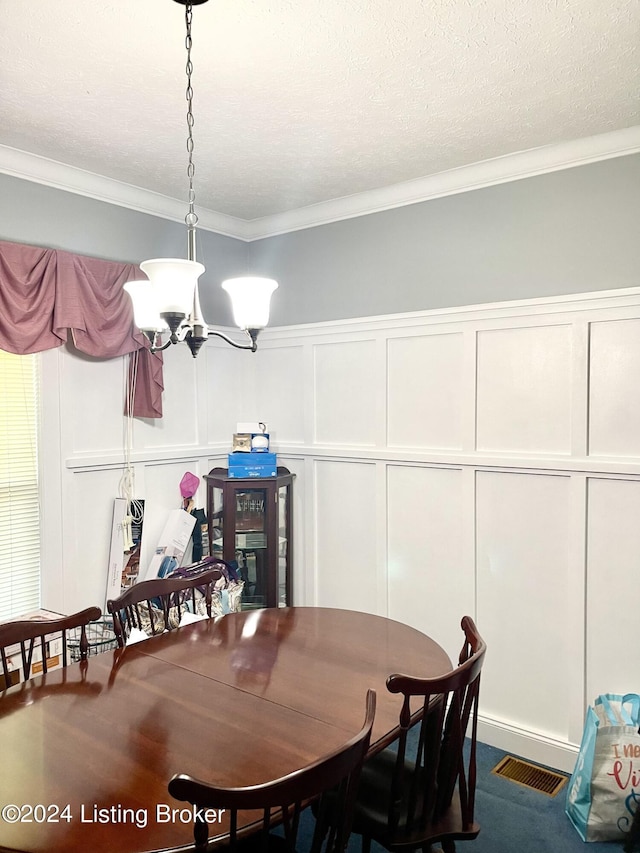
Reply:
x=153, y=348
x=252, y=333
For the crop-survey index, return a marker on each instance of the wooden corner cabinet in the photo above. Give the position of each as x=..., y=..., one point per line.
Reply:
x=250, y=522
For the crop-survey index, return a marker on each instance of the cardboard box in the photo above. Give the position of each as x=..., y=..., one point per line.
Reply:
x=252, y=458
x=53, y=651
x=252, y=465
x=257, y=435
x=252, y=472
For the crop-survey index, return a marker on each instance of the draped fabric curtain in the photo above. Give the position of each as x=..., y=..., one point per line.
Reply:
x=47, y=295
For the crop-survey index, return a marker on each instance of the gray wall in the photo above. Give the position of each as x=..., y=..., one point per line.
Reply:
x=564, y=232
x=43, y=216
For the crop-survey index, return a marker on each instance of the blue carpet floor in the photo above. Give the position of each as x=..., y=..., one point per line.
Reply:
x=515, y=819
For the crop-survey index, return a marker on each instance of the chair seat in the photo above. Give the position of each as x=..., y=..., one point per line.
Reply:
x=371, y=814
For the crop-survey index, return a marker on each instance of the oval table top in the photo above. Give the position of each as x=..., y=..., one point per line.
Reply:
x=88, y=750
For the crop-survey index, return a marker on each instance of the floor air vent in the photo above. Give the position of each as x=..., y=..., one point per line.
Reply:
x=530, y=775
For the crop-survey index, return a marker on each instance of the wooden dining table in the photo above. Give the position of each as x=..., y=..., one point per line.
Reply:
x=88, y=751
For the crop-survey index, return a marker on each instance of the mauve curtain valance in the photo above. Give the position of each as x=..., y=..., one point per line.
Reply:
x=47, y=294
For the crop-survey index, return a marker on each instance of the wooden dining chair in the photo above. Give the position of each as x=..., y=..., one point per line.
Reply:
x=26, y=635
x=424, y=792
x=158, y=604
x=330, y=782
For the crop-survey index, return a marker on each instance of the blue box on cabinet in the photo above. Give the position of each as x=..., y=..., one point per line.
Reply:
x=244, y=465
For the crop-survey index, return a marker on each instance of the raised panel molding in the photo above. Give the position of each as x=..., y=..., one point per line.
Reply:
x=425, y=391
x=345, y=536
x=614, y=422
x=99, y=427
x=220, y=391
x=427, y=521
x=278, y=394
x=523, y=390
x=345, y=393
x=522, y=542
x=613, y=559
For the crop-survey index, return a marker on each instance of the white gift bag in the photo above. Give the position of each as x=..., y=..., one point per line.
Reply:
x=604, y=790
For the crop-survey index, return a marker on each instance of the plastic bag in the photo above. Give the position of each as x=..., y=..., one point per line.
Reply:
x=604, y=790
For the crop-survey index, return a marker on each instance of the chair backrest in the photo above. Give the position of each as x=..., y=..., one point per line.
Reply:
x=158, y=604
x=422, y=789
x=27, y=635
x=331, y=781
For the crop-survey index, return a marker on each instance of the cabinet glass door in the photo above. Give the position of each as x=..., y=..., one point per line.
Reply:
x=283, y=546
x=215, y=521
x=251, y=545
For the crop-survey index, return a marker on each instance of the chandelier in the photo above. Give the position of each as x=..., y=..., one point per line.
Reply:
x=168, y=301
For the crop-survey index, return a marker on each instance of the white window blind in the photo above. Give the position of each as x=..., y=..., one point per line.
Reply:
x=19, y=503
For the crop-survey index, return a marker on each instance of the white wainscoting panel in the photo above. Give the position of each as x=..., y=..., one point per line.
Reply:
x=430, y=583
x=425, y=391
x=613, y=570
x=87, y=537
x=98, y=409
x=523, y=597
x=523, y=394
x=221, y=394
x=345, y=393
x=280, y=393
x=178, y=426
x=614, y=424
x=346, y=546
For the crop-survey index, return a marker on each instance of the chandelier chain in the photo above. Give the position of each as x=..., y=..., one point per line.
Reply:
x=191, y=218
x=159, y=305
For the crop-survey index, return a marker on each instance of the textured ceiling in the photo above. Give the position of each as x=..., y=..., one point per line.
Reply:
x=301, y=102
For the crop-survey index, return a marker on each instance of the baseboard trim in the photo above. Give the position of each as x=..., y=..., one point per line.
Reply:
x=533, y=746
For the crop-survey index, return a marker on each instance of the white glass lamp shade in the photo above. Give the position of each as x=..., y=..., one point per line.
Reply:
x=174, y=282
x=145, y=309
x=250, y=298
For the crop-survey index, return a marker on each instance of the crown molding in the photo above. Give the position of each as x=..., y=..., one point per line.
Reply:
x=50, y=173
x=500, y=170
x=511, y=167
